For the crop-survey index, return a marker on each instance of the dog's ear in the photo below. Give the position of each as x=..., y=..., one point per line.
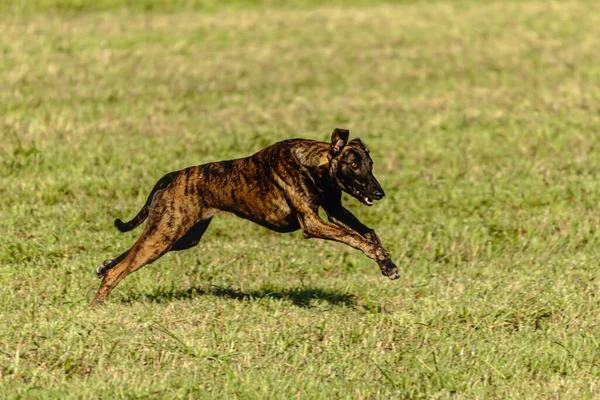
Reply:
x=361, y=144
x=339, y=138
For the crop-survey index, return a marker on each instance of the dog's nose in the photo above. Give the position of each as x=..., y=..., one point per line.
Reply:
x=378, y=194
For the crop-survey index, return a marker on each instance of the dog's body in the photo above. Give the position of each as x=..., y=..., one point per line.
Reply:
x=281, y=188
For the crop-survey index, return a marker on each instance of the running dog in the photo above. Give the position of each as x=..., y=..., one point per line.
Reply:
x=281, y=188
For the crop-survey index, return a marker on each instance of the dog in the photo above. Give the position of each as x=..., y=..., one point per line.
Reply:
x=281, y=188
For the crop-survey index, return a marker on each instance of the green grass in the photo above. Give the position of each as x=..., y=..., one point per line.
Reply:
x=482, y=119
x=20, y=7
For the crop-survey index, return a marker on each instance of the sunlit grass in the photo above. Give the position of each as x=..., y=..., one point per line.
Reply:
x=482, y=119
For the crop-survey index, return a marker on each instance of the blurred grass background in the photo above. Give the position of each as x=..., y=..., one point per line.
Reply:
x=482, y=119
x=19, y=7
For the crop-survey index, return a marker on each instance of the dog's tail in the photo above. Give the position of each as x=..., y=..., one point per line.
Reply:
x=143, y=214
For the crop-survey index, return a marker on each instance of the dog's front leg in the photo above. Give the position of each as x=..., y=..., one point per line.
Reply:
x=344, y=218
x=313, y=226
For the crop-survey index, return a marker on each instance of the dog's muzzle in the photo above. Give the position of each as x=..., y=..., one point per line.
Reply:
x=364, y=198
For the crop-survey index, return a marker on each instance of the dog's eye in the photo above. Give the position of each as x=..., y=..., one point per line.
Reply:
x=354, y=164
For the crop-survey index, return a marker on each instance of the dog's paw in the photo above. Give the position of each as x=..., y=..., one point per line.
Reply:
x=394, y=275
x=389, y=269
x=101, y=269
x=100, y=272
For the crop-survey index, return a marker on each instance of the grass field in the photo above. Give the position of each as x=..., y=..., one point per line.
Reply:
x=482, y=118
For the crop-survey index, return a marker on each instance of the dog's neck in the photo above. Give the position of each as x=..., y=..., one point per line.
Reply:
x=320, y=162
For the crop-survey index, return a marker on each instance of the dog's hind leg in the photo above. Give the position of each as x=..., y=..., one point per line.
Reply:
x=107, y=265
x=192, y=237
x=164, y=228
x=142, y=253
x=189, y=240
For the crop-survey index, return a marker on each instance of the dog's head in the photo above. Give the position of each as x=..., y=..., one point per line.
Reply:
x=352, y=168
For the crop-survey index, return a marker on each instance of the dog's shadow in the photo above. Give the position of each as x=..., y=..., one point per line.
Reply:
x=301, y=297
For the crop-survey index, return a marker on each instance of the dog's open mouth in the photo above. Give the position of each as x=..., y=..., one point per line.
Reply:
x=366, y=200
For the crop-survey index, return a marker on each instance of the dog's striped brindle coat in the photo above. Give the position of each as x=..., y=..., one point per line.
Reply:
x=281, y=188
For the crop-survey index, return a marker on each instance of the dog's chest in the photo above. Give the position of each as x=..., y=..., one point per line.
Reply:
x=277, y=215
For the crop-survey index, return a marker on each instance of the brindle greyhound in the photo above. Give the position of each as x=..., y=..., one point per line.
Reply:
x=280, y=187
